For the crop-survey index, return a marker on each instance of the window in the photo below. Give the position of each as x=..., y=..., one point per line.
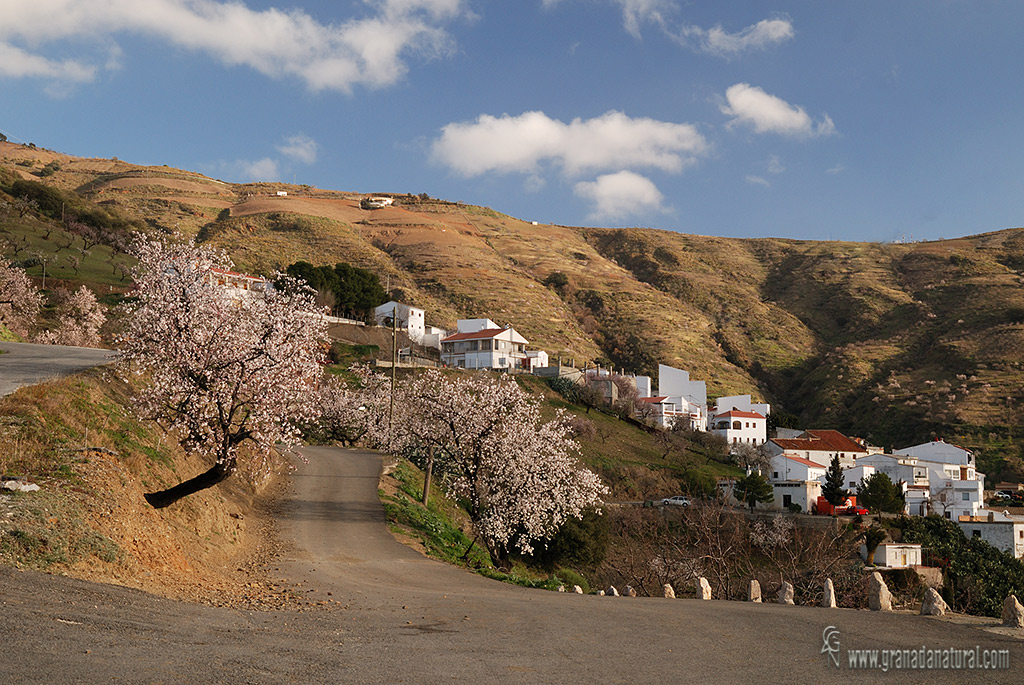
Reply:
x=965, y=496
x=976, y=533
x=736, y=425
x=485, y=345
x=775, y=474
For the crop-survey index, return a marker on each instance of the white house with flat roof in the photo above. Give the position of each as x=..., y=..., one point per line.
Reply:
x=410, y=318
x=939, y=478
x=999, y=529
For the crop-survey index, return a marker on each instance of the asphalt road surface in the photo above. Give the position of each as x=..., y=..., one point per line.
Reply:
x=407, y=619
x=27, y=364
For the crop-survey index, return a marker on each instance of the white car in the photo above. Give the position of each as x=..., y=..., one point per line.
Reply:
x=678, y=500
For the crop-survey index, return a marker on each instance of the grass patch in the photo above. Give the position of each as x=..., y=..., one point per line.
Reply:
x=43, y=530
x=441, y=526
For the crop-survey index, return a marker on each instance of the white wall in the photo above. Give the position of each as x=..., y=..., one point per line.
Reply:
x=474, y=325
x=742, y=403
x=676, y=382
x=1007, y=534
x=939, y=451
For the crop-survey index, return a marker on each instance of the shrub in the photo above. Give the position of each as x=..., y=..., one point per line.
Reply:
x=568, y=578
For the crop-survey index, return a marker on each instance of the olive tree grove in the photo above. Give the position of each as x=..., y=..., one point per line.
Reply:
x=224, y=368
x=518, y=475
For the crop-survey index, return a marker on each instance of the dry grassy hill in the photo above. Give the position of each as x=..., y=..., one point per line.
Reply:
x=893, y=342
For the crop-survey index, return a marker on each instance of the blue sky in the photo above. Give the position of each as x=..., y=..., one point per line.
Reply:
x=822, y=120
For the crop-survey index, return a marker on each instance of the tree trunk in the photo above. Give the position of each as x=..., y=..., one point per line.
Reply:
x=217, y=473
x=427, y=475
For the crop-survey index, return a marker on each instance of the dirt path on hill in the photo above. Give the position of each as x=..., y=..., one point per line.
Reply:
x=403, y=618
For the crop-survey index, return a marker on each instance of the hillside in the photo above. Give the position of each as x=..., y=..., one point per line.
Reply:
x=895, y=343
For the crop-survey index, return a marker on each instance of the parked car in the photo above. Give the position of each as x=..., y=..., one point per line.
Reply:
x=678, y=500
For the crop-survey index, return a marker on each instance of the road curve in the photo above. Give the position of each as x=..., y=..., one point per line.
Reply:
x=26, y=364
x=407, y=619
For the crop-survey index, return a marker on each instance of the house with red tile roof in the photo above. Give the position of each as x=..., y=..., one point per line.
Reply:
x=482, y=344
x=820, y=446
x=741, y=427
x=795, y=480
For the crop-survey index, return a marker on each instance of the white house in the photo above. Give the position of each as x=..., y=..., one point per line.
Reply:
x=408, y=318
x=538, y=359
x=795, y=480
x=740, y=403
x=999, y=529
x=376, y=202
x=956, y=487
x=432, y=336
x=237, y=284
x=855, y=475
x=939, y=478
x=484, y=347
x=666, y=412
x=819, y=446
x=741, y=427
x=894, y=555
x=939, y=451
x=689, y=397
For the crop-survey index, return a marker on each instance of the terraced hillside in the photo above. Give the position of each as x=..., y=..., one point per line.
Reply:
x=892, y=342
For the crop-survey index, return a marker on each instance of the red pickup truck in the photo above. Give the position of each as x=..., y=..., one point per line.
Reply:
x=847, y=508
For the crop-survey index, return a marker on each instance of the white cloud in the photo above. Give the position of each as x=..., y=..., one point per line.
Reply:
x=774, y=165
x=714, y=41
x=621, y=195
x=758, y=181
x=523, y=143
x=17, y=63
x=299, y=147
x=370, y=50
x=717, y=41
x=837, y=169
x=261, y=170
x=769, y=114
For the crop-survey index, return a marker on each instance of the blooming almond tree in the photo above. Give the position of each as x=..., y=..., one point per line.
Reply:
x=226, y=368
x=79, y=320
x=519, y=476
x=19, y=299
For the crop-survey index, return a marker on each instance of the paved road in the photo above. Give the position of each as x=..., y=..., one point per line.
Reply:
x=411, y=620
x=27, y=364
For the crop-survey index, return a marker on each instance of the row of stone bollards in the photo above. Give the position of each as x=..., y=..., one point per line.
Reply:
x=879, y=597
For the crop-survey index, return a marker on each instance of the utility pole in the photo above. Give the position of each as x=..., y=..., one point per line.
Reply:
x=428, y=474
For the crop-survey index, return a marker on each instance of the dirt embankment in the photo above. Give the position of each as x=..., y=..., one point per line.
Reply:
x=90, y=520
